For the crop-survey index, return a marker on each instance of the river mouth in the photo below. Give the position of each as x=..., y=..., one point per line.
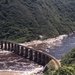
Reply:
x=13, y=64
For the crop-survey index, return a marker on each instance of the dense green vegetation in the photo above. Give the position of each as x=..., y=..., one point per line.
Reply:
x=69, y=58
x=65, y=70
x=25, y=20
x=68, y=65
x=51, y=68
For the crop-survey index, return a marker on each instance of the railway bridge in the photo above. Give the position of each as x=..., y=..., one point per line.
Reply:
x=39, y=57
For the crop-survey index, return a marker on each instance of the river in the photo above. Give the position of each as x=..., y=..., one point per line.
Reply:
x=56, y=47
x=12, y=62
x=68, y=43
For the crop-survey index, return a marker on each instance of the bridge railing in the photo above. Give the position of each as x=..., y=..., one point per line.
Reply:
x=39, y=57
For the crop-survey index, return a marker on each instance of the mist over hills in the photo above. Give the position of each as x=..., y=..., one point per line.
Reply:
x=25, y=20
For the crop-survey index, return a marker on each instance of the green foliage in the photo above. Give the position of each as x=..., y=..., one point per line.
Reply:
x=69, y=58
x=51, y=66
x=65, y=71
x=28, y=19
x=68, y=65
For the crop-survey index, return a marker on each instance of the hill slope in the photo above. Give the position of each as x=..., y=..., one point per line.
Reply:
x=69, y=58
x=25, y=20
x=68, y=64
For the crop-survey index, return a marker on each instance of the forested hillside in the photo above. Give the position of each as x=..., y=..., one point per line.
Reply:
x=67, y=65
x=25, y=20
x=69, y=58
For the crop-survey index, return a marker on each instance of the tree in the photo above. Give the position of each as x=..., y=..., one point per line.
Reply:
x=65, y=71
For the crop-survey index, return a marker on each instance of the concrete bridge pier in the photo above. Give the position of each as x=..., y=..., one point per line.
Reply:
x=2, y=45
x=9, y=46
x=39, y=58
x=22, y=50
x=17, y=48
x=31, y=54
x=26, y=52
x=43, y=60
x=14, y=48
x=5, y=45
x=48, y=59
x=35, y=56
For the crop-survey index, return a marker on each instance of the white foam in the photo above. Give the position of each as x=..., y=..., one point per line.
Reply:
x=33, y=71
x=45, y=44
x=28, y=72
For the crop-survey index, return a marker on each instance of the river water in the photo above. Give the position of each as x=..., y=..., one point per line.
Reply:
x=67, y=44
x=13, y=62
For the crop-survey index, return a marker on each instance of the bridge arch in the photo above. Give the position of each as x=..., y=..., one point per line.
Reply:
x=39, y=57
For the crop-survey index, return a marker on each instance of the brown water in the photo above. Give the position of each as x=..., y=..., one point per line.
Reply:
x=10, y=63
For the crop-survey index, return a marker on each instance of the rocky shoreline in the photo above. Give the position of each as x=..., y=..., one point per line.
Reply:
x=45, y=45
